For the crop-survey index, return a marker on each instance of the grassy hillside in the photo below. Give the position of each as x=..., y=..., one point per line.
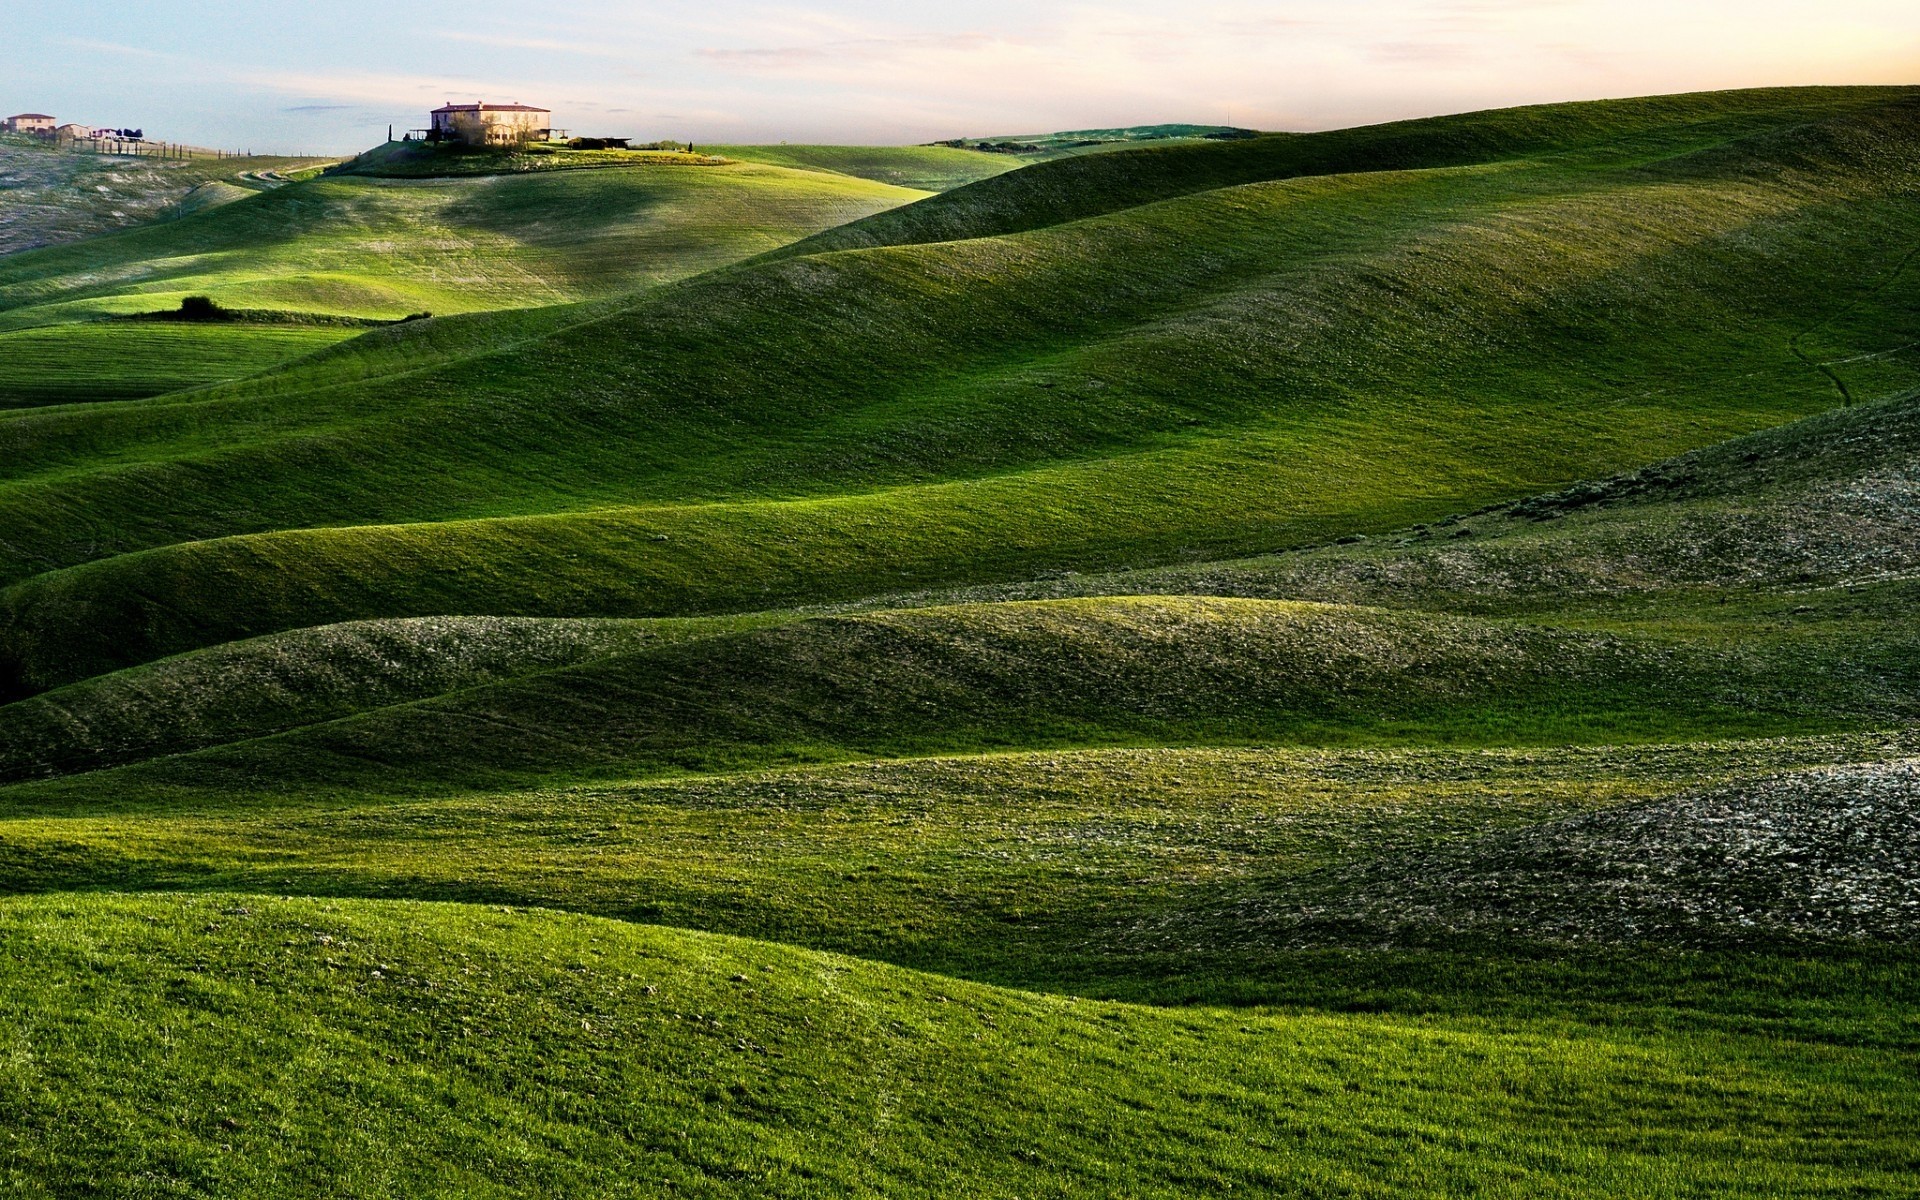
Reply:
x=925, y=168
x=948, y=165
x=1372, y=664
x=437, y=1048
x=448, y=160
x=110, y=360
x=1614, y=132
x=362, y=247
x=366, y=247
x=1636, y=623
x=834, y=425
x=55, y=196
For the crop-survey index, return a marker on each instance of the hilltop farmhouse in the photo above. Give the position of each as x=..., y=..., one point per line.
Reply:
x=482, y=124
x=39, y=123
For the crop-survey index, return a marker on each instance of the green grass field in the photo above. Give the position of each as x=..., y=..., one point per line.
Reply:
x=1368, y=664
x=358, y=246
x=941, y=168
x=926, y=168
x=102, y=360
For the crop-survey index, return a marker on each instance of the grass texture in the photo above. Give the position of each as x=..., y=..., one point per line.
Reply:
x=960, y=412
x=1368, y=664
x=346, y=245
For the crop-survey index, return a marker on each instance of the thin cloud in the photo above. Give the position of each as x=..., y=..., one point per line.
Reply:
x=852, y=50
x=98, y=47
x=520, y=42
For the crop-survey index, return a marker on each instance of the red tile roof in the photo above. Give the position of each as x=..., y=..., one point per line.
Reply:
x=31, y=117
x=453, y=108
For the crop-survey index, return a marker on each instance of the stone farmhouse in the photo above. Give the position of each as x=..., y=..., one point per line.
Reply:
x=39, y=123
x=482, y=124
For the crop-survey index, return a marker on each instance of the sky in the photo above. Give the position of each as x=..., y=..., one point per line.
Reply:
x=329, y=78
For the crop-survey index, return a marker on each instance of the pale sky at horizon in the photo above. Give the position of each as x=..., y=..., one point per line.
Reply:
x=331, y=78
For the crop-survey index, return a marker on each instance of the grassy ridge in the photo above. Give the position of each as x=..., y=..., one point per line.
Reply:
x=924, y=168
x=1153, y=669
x=940, y=168
x=245, y=689
x=1777, y=521
x=1794, y=548
x=1525, y=312
x=1615, y=131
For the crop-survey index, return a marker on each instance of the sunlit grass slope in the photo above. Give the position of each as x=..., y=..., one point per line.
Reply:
x=1805, y=516
x=1613, y=133
x=295, y=1047
x=103, y=360
x=1149, y=669
x=1223, y=372
x=1764, y=585
x=854, y=724
x=385, y=249
x=926, y=168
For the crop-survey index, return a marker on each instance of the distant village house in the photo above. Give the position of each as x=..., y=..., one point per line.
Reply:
x=39, y=123
x=482, y=124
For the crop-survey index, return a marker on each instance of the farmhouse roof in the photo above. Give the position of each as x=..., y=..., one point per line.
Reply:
x=453, y=108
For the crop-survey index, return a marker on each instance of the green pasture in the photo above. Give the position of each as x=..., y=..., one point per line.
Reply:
x=382, y=1049
x=384, y=248
x=924, y=168
x=120, y=360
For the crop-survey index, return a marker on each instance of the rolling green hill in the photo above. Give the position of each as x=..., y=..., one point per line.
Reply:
x=948, y=165
x=1362, y=664
x=434, y=1048
x=833, y=425
x=926, y=168
x=346, y=245
x=1613, y=133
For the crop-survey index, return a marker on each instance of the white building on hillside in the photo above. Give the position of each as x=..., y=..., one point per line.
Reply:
x=482, y=124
